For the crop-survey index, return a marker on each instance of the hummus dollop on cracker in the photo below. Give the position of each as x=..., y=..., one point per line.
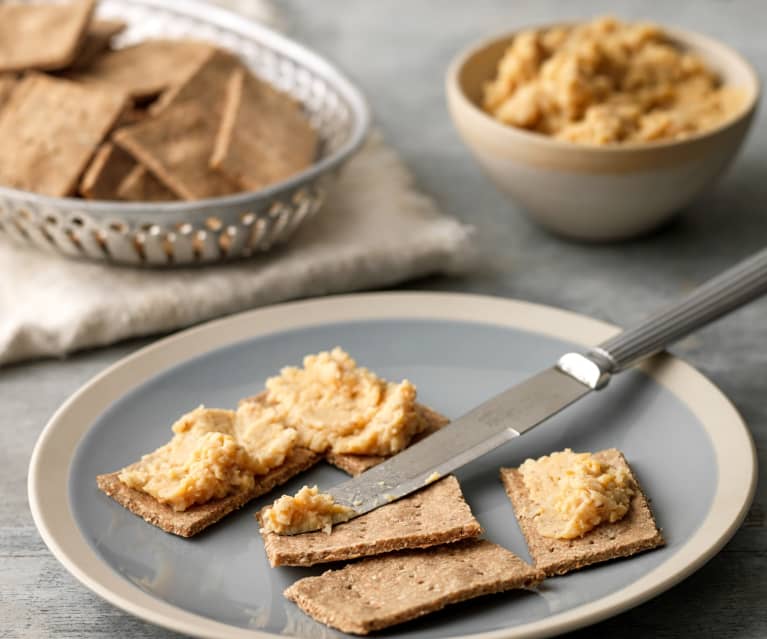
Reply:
x=308, y=510
x=573, y=493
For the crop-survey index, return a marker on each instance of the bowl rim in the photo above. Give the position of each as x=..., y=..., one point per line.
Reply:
x=228, y=19
x=455, y=91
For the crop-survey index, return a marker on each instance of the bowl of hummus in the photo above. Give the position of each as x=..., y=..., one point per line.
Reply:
x=602, y=130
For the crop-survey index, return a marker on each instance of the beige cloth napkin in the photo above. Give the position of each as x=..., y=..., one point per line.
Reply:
x=375, y=230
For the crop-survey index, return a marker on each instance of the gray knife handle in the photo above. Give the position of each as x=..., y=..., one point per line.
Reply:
x=737, y=286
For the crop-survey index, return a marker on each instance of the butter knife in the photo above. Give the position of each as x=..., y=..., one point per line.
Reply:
x=522, y=407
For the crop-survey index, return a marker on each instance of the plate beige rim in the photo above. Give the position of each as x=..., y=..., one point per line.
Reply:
x=50, y=464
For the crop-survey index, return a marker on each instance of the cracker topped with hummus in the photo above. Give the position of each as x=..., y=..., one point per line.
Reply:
x=218, y=459
x=577, y=509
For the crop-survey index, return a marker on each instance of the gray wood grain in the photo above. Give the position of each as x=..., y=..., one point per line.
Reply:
x=398, y=51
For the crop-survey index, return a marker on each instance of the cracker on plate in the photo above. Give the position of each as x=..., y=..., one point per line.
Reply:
x=379, y=592
x=263, y=136
x=176, y=143
x=358, y=464
x=145, y=69
x=54, y=127
x=97, y=39
x=637, y=531
x=106, y=172
x=140, y=185
x=437, y=514
x=44, y=37
x=197, y=518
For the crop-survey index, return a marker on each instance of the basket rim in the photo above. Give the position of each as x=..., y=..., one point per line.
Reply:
x=228, y=19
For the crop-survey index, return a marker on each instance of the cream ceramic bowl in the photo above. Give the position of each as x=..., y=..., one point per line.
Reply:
x=598, y=193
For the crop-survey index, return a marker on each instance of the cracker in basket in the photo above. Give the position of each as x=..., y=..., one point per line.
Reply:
x=379, y=592
x=145, y=69
x=635, y=532
x=434, y=515
x=97, y=40
x=358, y=464
x=106, y=172
x=45, y=37
x=176, y=144
x=263, y=135
x=140, y=185
x=54, y=128
x=197, y=518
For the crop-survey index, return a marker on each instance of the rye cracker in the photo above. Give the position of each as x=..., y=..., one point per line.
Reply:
x=637, y=531
x=379, y=592
x=205, y=80
x=146, y=69
x=140, y=185
x=98, y=39
x=175, y=144
x=437, y=514
x=357, y=464
x=263, y=137
x=54, y=127
x=106, y=172
x=43, y=37
x=197, y=518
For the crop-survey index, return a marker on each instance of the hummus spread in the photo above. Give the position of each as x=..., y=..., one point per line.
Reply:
x=213, y=453
x=308, y=510
x=335, y=405
x=605, y=82
x=575, y=492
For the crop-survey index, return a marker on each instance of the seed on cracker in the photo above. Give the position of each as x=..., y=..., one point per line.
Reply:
x=434, y=515
x=195, y=519
x=54, y=128
x=145, y=69
x=97, y=40
x=44, y=37
x=379, y=592
x=263, y=135
x=357, y=464
x=106, y=172
x=635, y=532
x=140, y=185
x=175, y=144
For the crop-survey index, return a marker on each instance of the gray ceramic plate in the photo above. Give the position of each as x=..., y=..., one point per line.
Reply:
x=459, y=350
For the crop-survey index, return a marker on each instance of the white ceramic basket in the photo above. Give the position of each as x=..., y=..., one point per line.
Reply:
x=214, y=229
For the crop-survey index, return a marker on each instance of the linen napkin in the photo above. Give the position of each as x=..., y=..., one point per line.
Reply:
x=374, y=230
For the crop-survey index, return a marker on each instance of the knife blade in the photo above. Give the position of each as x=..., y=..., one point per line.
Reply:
x=487, y=426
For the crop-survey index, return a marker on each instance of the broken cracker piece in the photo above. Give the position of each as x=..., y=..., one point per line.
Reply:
x=97, y=39
x=106, y=172
x=54, y=127
x=141, y=185
x=263, y=137
x=175, y=144
x=196, y=518
x=42, y=37
x=379, y=592
x=635, y=532
x=434, y=515
x=146, y=69
x=357, y=464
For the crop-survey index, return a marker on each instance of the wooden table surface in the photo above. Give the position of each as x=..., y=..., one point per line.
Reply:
x=398, y=51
